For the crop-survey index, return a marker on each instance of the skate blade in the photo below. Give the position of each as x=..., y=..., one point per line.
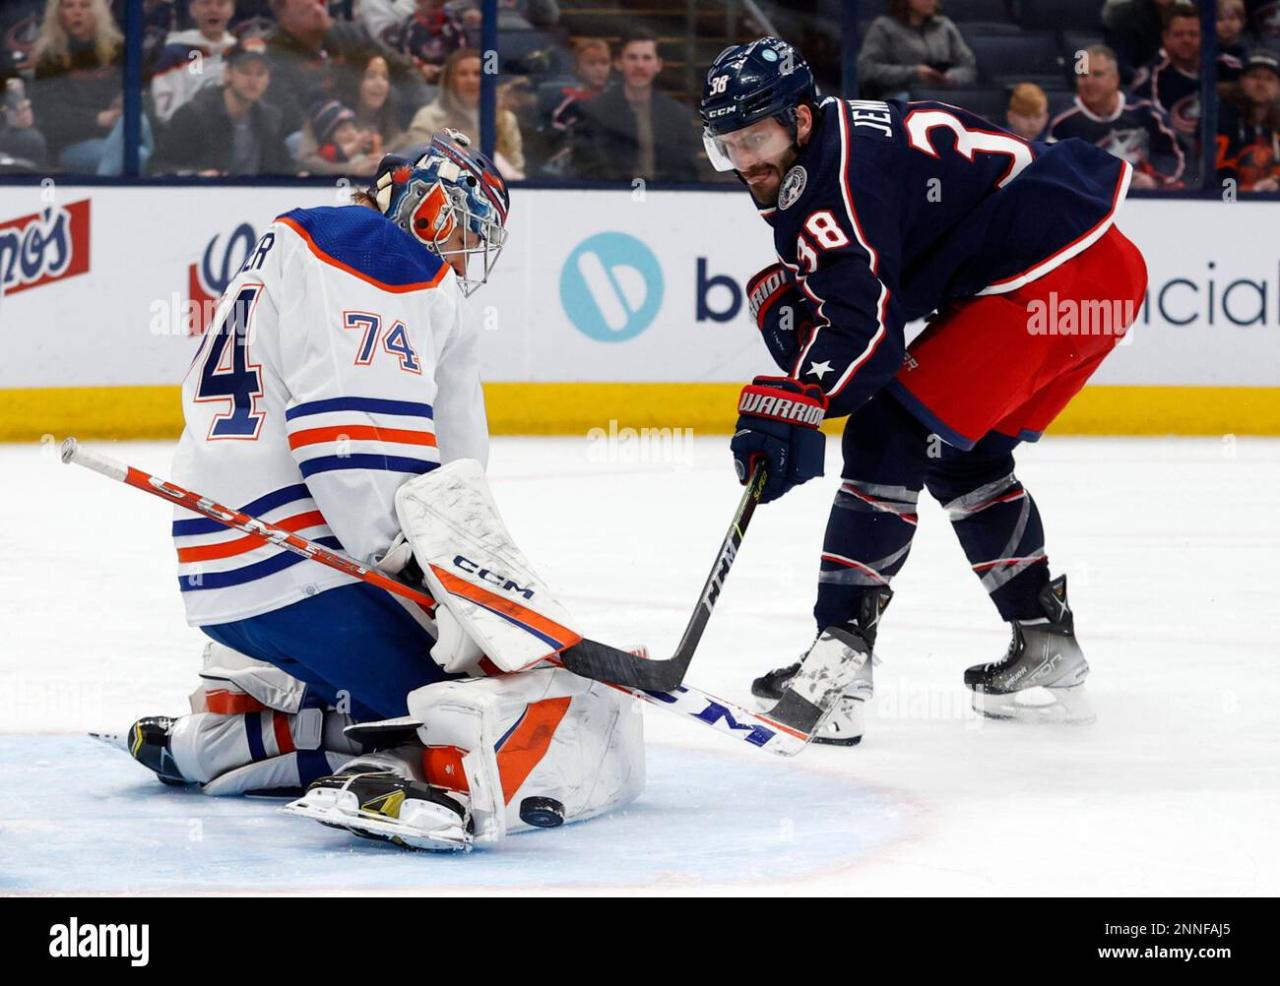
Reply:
x=117, y=741
x=1068, y=706
x=344, y=813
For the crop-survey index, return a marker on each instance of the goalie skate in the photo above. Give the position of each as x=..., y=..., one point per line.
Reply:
x=147, y=741
x=380, y=804
x=1041, y=677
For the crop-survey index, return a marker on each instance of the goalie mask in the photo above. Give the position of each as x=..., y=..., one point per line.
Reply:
x=450, y=198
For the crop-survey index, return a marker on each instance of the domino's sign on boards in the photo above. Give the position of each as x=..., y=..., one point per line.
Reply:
x=43, y=247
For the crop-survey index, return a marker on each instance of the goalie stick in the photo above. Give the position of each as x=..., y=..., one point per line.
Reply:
x=623, y=668
x=685, y=701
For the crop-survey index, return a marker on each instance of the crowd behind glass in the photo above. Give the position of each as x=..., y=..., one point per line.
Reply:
x=326, y=87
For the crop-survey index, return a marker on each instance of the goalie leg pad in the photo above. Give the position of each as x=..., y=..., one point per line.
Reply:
x=496, y=605
x=231, y=682
x=259, y=751
x=531, y=749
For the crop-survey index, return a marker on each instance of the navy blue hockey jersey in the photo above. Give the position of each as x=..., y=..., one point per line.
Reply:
x=892, y=210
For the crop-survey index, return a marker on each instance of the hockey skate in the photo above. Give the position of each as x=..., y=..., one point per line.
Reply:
x=375, y=798
x=844, y=723
x=844, y=726
x=147, y=741
x=1041, y=677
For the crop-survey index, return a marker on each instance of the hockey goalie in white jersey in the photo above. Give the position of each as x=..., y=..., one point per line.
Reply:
x=338, y=396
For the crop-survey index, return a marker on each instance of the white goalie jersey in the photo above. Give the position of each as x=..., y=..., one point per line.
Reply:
x=341, y=362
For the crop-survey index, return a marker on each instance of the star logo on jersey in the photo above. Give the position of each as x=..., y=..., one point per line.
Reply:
x=793, y=183
x=820, y=370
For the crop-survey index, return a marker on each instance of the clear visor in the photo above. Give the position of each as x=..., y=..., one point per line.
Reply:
x=764, y=141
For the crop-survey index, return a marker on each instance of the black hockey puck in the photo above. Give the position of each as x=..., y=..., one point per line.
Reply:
x=545, y=813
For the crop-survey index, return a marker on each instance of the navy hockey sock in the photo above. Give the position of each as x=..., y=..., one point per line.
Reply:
x=873, y=518
x=997, y=523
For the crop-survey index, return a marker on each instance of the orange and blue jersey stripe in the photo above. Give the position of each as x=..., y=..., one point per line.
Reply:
x=204, y=546
x=362, y=433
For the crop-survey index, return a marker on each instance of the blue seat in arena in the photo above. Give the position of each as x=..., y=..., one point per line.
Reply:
x=990, y=11
x=989, y=102
x=1074, y=41
x=1016, y=56
x=531, y=53
x=1058, y=15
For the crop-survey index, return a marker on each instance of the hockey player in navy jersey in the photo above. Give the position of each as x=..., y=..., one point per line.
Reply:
x=338, y=396
x=884, y=213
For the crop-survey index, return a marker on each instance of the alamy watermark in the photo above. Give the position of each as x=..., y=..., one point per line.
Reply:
x=641, y=446
x=1057, y=316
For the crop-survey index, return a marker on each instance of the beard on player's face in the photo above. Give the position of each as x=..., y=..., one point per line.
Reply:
x=764, y=178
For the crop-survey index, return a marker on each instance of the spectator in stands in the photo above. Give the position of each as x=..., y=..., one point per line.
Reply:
x=340, y=140
x=255, y=18
x=383, y=20
x=376, y=120
x=592, y=65
x=375, y=103
x=631, y=130
x=22, y=146
x=1137, y=131
x=229, y=130
x=310, y=53
x=1133, y=31
x=1172, y=80
x=513, y=15
x=430, y=35
x=77, y=93
x=912, y=46
x=1264, y=18
x=1232, y=49
x=1249, y=126
x=19, y=28
x=458, y=106
x=1028, y=113
x=192, y=59
x=557, y=113
x=159, y=20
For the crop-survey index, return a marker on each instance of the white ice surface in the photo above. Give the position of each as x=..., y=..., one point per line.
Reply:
x=1171, y=546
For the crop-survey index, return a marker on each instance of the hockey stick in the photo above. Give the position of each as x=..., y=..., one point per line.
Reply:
x=688, y=702
x=623, y=668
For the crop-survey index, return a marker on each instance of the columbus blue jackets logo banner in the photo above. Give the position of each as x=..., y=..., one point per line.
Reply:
x=44, y=247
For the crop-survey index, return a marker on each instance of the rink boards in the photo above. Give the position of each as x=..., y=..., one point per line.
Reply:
x=610, y=311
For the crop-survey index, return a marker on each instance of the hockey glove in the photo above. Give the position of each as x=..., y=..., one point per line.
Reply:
x=778, y=419
x=782, y=315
